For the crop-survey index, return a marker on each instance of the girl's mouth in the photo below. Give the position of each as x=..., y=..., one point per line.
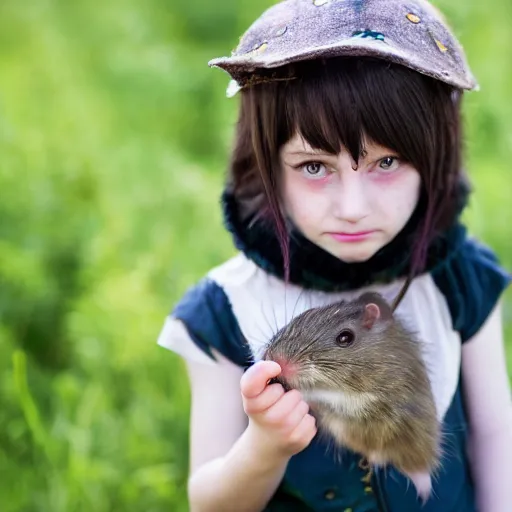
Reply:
x=351, y=237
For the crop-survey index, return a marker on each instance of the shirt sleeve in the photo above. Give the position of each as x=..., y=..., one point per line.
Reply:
x=472, y=282
x=174, y=336
x=205, y=318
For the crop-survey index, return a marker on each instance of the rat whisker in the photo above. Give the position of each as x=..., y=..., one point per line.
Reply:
x=271, y=328
x=297, y=302
x=306, y=347
x=329, y=363
x=265, y=339
x=285, y=306
x=275, y=317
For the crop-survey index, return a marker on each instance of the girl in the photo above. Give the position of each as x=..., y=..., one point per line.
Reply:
x=346, y=176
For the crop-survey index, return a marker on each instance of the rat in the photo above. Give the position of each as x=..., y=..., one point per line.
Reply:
x=362, y=373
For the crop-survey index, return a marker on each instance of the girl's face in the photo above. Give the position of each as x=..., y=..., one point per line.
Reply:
x=350, y=214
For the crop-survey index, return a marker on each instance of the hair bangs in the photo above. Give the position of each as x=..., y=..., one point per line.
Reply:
x=321, y=109
x=345, y=103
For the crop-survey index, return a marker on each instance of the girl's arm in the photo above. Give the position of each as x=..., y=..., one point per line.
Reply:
x=236, y=464
x=489, y=406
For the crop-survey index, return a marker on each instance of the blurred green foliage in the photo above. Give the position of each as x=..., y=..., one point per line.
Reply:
x=114, y=138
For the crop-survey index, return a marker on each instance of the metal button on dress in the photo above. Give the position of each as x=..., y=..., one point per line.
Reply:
x=330, y=494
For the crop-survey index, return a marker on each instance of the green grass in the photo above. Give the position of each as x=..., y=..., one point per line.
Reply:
x=114, y=138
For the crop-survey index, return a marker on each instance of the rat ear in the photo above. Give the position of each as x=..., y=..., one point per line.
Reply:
x=371, y=315
x=375, y=308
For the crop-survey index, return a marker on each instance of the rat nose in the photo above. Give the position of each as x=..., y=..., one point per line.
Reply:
x=288, y=369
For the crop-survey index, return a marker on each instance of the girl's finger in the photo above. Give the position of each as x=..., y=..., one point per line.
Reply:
x=255, y=379
x=265, y=400
x=284, y=407
x=297, y=414
x=305, y=430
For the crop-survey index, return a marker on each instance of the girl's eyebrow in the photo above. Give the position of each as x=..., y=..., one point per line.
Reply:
x=307, y=153
x=379, y=152
x=368, y=152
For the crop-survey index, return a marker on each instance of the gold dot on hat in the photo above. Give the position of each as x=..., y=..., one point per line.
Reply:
x=441, y=46
x=258, y=48
x=413, y=18
x=319, y=3
x=281, y=31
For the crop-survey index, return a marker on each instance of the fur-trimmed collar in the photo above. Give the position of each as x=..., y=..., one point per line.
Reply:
x=313, y=268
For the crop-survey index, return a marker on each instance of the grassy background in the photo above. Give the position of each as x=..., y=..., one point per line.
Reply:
x=114, y=136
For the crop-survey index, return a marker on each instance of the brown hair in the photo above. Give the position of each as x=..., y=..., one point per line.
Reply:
x=340, y=102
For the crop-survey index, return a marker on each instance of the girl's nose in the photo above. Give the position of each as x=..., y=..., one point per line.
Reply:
x=350, y=201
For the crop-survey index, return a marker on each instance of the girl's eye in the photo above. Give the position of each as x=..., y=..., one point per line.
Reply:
x=390, y=163
x=314, y=169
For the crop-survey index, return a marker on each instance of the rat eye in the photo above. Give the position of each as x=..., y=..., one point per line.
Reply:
x=345, y=338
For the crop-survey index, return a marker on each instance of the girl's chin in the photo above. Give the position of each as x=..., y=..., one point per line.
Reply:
x=354, y=254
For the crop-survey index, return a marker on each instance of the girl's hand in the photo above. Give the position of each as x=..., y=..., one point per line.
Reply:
x=278, y=420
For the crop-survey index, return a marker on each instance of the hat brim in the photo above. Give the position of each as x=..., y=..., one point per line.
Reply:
x=239, y=67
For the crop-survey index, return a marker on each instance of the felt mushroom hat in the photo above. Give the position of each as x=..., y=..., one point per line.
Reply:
x=412, y=33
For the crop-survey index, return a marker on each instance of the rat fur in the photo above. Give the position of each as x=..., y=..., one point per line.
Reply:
x=363, y=374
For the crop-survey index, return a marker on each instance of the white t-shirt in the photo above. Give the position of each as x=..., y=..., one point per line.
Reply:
x=262, y=304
